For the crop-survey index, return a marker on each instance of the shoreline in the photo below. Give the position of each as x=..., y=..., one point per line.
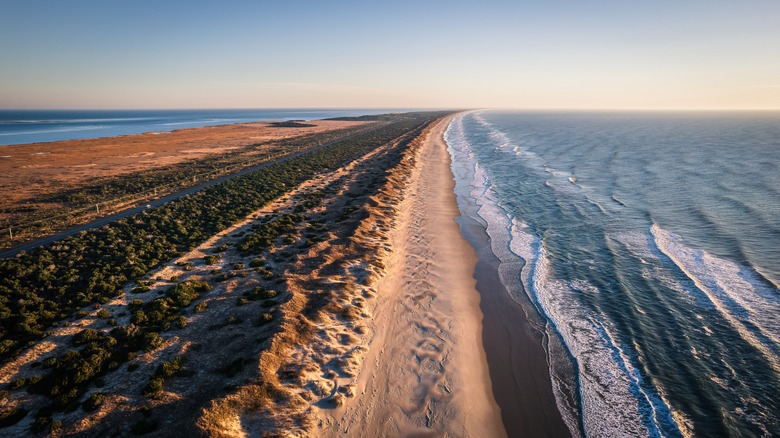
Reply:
x=514, y=342
x=385, y=324
x=514, y=348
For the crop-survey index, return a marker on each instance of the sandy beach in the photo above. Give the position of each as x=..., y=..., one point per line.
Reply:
x=425, y=373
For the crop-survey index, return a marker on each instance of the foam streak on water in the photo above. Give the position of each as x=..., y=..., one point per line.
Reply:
x=750, y=305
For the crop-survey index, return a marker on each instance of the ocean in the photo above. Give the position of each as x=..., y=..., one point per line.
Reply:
x=32, y=126
x=649, y=243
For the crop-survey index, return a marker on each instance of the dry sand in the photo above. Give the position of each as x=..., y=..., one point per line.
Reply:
x=425, y=372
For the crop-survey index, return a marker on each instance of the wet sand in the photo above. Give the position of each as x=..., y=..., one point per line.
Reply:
x=515, y=351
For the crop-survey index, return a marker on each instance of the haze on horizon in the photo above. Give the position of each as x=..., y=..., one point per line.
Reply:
x=600, y=54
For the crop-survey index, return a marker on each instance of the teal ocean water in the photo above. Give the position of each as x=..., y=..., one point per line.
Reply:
x=650, y=245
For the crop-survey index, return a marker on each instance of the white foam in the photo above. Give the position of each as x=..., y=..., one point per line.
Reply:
x=641, y=246
x=609, y=383
x=748, y=303
x=561, y=181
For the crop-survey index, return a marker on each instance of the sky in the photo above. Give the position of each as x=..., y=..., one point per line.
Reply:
x=552, y=54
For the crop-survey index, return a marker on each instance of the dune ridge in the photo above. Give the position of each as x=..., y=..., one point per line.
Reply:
x=316, y=356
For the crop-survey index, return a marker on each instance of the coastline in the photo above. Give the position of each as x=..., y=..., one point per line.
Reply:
x=514, y=342
x=426, y=370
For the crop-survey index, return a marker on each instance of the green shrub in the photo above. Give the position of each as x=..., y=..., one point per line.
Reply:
x=184, y=293
x=87, y=335
x=18, y=383
x=188, y=266
x=264, y=319
x=152, y=341
x=94, y=401
x=265, y=273
x=155, y=387
x=164, y=371
x=258, y=293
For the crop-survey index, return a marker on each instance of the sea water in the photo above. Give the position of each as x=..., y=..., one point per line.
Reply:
x=32, y=126
x=650, y=244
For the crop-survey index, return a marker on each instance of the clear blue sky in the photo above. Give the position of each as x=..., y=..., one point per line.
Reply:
x=521, y=54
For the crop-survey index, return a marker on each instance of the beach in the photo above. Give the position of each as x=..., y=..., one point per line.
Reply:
x=425, y=371
x=283, y=310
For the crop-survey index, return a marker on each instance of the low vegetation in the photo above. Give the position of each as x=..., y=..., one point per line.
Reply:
x=35, y=216
x=75, y=276
x=49, y=284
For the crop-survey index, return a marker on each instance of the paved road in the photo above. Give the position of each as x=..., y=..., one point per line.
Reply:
x=157, y=202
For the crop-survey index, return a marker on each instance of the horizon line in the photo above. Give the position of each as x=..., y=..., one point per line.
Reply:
x=404, y=109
